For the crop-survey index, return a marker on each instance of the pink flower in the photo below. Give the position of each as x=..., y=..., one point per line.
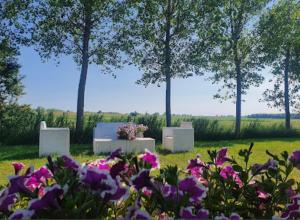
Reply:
x=196, y=168
x=42, y=174
x=228, y=172
x=221, y=157
x=18, y=167
x=150, y=158
x=262, y=194
x=100, y=164
x=146, y=191
x=32, y=183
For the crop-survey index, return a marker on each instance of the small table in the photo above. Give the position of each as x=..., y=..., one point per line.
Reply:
x=137, y=145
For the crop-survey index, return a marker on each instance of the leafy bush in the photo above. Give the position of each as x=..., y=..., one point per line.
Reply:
x=124, y=186
x=19, y=124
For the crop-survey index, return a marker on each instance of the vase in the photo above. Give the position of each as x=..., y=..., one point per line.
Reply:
x=140, y=135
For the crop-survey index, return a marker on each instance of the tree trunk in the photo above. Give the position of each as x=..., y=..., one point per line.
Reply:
x=83, y=75
x=238, y=110
x=238, y=104
x=167, y=67
x=286, y=91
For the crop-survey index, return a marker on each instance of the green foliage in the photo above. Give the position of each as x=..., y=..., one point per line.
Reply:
x=147, y=26
x=279, y=33
x=235, y=52
x=20, y=125
x=10, y=80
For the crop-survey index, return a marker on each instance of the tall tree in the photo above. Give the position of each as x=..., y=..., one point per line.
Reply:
x=279, y=32
x=80, y=28
x=160, y=39
x=234, y=60
x=10, y=79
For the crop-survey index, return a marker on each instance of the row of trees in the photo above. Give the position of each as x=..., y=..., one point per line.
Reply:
x=231, y=40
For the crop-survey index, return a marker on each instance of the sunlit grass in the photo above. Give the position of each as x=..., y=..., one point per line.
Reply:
x=29, y=154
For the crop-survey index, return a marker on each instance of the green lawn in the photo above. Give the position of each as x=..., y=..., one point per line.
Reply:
x=29, y=154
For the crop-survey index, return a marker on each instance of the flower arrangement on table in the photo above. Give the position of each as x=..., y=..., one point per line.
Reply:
x=122, y=187
x=127, y=131
x=130, y=131
x=140, y=129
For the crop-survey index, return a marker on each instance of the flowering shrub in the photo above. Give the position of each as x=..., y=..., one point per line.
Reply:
x=123, y=186
x=127, y=131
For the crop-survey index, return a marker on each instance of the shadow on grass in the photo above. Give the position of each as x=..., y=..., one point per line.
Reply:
x=18, y=152
x=26, y=152
x=81, y=149
x=230, y=143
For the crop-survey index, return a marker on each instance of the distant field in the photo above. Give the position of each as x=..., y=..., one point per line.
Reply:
x=225, y=122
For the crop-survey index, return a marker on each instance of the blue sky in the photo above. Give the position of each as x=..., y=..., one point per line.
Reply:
x=55, y=86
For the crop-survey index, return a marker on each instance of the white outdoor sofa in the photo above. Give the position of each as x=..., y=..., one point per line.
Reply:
x=178, y=139
x=54, y=140
x=105, y=140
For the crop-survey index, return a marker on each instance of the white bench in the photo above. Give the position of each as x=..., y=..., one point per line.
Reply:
x=178, y=139
x=106, y=140
x=54, y=140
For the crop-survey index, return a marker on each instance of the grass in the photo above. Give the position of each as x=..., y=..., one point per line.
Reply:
x=29, y=154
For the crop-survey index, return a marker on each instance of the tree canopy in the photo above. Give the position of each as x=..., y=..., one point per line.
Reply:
x=234, y=61
x=279, y=32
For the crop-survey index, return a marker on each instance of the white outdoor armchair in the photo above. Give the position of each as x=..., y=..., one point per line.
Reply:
x=54, y=140
x=178, y=139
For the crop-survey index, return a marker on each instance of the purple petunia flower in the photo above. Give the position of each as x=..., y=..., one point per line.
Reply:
x=17, y=184
x=118, y=168
x=228, y=172
x=233, y=216
x=18, y=167
x=171, y=192
x=191, y=186
x=6, y=200
x=70, y=163
x=197, y=163
x=292, y=210
x=150, y=158
x=221, y=157
x=122, y=193
x=52, y=194
x=100, y=181
x=141, y=180
x=134, y=212
x=270, y=164
x=187, y=213
x=21, y=214
x=295, y=158
x=115, y=154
